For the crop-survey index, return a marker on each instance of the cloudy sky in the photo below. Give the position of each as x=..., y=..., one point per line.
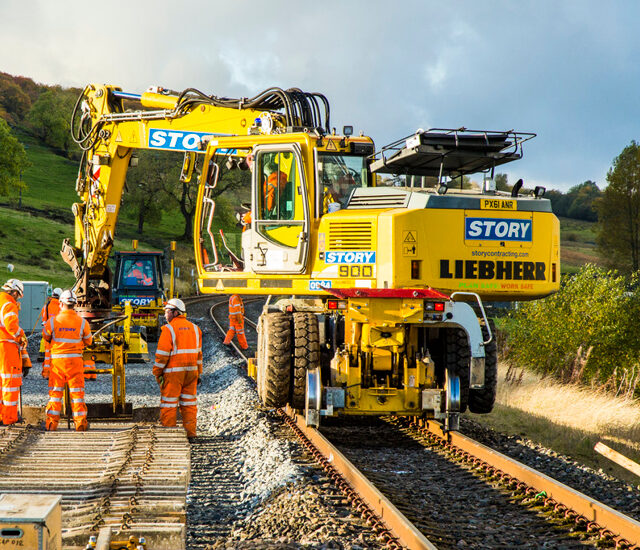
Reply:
x=566, y=70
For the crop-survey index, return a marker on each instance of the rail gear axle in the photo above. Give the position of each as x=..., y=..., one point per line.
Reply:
x=386, y=254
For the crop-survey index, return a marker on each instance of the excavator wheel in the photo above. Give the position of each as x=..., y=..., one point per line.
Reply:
x=306, y=354
x=457, y=357
x=482, y=401
x=274, y=359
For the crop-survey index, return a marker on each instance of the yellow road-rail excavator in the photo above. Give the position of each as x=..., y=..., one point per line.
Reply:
x=376, y=262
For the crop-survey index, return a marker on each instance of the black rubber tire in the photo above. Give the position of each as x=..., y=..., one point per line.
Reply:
x=274, y=375
x=482, y=401
x=260, y=359
x=306, y=355
x=457, y=358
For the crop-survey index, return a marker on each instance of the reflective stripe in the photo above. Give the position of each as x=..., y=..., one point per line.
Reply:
x=56, y=388
x=11, y=389
x=180, y=369
x=65, y=355
x=53, y=413
x=7, y=376
x=160, y=352
x=168, y=399
x=156, y=364
x=84, y=322
x=55, y=399
x=183, y=351
x=186, y=396
x=173, y=338
x=67, y=340
x=9, y=403
x=81, y=400
x=79, y=413
x=76, y=390
x=169, y=406
x=188, y=403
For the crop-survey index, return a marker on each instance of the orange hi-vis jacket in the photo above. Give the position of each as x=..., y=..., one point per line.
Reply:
x=236, y=322
x=11, y=336
x=275, y=181
x=69, y=334
x=179, y=348
x=50, y=309
x=9, y=322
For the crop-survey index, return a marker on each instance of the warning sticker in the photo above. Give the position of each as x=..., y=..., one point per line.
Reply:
x=331, y=146
x=409, y=243
x=220, y=285
x=409, y=237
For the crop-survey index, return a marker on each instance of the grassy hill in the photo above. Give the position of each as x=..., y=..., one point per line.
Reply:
x=33, y=224
x=577, y=244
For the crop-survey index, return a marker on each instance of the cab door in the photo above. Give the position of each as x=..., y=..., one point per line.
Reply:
x=280, y=211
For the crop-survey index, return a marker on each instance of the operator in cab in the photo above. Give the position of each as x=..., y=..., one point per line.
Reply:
x=68, y=334
x=178, y=367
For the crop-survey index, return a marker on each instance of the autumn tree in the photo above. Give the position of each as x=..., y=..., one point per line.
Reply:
x=50, y=118
x=13, y=160
x=619, y=212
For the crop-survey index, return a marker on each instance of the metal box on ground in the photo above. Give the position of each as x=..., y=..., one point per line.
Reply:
x=35, y=296
x=30, y=521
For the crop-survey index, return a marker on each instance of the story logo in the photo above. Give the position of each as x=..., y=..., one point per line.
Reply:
x=350, y=257
x=176, y=140
x=497, y=229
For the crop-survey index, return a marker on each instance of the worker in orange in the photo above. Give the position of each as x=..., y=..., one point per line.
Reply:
x=273, y=186
x=138, y=272
x=25, y=360
x=236, y=322
x=68, y=334
x=178, y=367
x=49, y=310
x=11, y=340
x=89, y=364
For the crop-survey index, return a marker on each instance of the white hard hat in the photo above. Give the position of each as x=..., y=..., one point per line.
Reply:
x=68, y=297
x=14, y=284
x=176, y=303
x=56, y=292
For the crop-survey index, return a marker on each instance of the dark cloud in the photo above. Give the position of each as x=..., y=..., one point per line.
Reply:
x=564, y=70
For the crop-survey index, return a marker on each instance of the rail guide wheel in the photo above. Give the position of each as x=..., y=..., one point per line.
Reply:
x=313, y=398
x=452, y=403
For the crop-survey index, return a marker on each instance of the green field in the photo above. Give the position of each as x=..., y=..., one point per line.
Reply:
x=34, y=223
x=577, y=244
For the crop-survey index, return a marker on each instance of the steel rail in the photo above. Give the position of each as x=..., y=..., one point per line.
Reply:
x=407, y=534
x=614, y=523
x=387, y=514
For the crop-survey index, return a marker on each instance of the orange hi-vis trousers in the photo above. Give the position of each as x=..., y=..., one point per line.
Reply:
x=179, y=390
x=11, y=373
x=66, y=370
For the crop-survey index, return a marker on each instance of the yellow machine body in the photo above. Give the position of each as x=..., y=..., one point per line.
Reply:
x=402, y=263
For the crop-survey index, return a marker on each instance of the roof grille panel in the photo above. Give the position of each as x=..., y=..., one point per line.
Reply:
x=350, y=235
x=379, y=197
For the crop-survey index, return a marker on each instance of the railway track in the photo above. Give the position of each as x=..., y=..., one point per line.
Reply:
x=401, y=476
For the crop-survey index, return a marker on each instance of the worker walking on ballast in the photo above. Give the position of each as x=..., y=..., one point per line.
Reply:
x=68, y=334
x=236, y=322
x=12, y=339
x=178, y=367
x=49, y=310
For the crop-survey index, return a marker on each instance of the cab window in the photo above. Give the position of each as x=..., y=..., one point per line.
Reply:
x=338, y=176
x=136, y=272
x=280, y=207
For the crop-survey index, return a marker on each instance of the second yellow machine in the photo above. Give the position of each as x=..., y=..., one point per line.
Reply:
x=376, y=262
